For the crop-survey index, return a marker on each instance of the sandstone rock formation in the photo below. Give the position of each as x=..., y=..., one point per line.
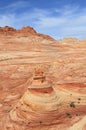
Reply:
x=70, y=40
x=42, y=81
x=23, y=32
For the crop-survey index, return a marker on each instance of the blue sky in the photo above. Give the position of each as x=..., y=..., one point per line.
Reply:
x=57, y=18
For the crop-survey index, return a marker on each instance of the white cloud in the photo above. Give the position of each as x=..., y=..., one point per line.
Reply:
x=18, y=4
x=49, y=22
x=15, y=5
x=7, y=19
x=59, y=23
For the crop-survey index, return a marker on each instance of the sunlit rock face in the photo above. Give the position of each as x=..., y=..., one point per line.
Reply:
x=42, y=81
x=36, y=103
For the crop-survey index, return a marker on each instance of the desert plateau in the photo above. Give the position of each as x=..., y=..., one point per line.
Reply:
x=42, y=81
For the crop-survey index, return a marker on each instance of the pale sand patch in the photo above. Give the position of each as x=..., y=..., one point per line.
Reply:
x=79, y=125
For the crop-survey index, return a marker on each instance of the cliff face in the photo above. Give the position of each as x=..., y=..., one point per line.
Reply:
x=42, y=81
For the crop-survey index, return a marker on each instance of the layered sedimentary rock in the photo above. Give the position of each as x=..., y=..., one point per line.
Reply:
x=42, y=82
x=23, y=32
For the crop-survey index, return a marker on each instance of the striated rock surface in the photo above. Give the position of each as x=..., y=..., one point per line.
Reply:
x=70, y=40
x=42, y=81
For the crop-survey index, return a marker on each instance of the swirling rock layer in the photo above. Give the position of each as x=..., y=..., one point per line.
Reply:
x=42, y=81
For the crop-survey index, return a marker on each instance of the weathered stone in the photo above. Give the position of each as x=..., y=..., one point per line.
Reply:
x=42, y=81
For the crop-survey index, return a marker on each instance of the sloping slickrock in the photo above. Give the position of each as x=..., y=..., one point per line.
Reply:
x=42, y=81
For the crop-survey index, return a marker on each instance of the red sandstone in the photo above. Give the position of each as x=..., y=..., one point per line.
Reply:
x=42, y=81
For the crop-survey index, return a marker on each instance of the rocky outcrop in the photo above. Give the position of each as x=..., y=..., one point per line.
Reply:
x=48, y=106
x=70, y=40
x=27, y=30
x=42, y=83
x=45, y=106
x=23, y=32
x=7, y=30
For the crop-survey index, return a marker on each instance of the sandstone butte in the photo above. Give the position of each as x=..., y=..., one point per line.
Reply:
x=42, y=81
